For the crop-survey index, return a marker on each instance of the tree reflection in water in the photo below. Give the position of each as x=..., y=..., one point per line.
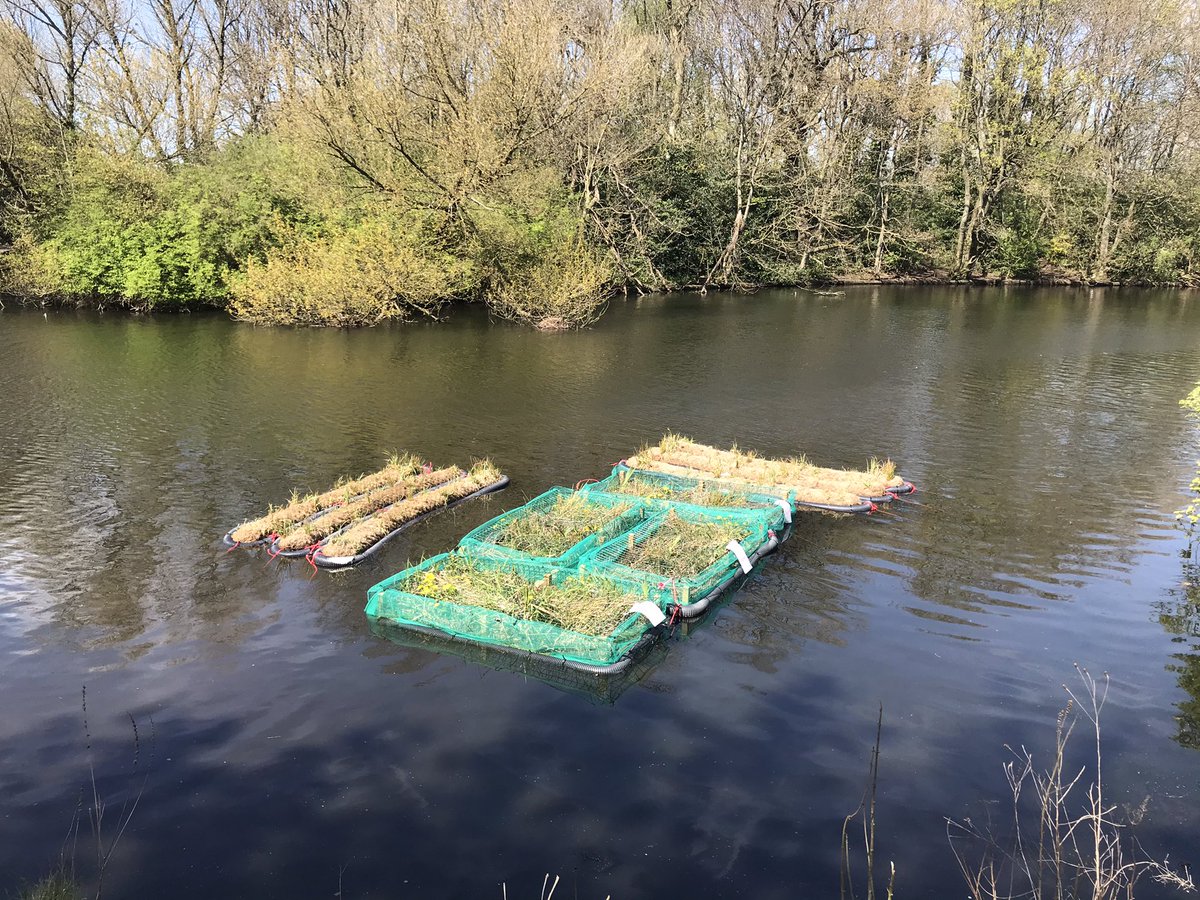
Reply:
x=1180, y=616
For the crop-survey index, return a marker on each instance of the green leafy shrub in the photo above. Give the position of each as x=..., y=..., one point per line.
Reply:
x=366, y=274
x=1018, y=252
x=529, y=245
x=566, y=288
x=132, y=232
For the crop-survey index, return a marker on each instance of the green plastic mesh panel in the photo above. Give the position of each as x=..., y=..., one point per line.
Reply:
x=609, y=560
x=485, y=541
x=387, y=601
x=665, y=491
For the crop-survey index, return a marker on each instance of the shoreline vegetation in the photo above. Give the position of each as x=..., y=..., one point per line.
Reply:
x=312, y=162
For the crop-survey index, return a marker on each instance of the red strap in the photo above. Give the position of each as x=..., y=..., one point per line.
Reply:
x=236, y=544
x=308, y=557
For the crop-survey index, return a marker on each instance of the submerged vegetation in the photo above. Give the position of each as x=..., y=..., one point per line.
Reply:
x=58, y=885
x=584, y=604
x=351, y=163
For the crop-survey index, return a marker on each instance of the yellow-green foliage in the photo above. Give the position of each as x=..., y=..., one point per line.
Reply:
x=58, y=885
x=1189, y=516
x=29, y=271
x=1192, y=401
x=370, y=273
x=565, y=288
x=133, y=232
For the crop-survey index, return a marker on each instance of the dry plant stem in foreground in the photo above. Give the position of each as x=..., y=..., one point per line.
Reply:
x=587, y=605
x=866, y=810
x=299, y=508
x=1063, y=840
x=307, y=533
x=547, y=889
x=363, y=534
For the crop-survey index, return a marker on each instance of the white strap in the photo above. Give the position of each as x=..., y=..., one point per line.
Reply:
x=650, y=611
x=787, y=509
x=743, y=560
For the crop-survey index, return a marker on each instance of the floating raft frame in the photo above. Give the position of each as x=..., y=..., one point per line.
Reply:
x=599, y=688
x=607, y=654
x=761, y=494
x=340, y=562
x=303, y=509
x=778, y=508
x=486, y=540
x=662, y=600
x=428, y=492
x=807, y=486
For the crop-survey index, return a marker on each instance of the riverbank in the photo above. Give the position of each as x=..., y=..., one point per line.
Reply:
x=559, y=323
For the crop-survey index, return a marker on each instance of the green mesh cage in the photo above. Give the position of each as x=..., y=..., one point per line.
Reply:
x=388, y=601
x=487, y=540
x=610, y=559
x=659, y=491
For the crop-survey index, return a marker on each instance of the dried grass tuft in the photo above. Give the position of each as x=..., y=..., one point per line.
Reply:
x=702, y=494
x=682, y=549
x=584, y=604
x=309, y=532
x=366, y=532
x=555, y=529
x=676, y=454
x=298, y=508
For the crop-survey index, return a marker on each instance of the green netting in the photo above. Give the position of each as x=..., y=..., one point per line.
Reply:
x=659, y=490
x=387, y=600
x=609, y=560
x=487, y=540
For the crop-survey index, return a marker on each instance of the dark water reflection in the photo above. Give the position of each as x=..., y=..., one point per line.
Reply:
x=1042, y=426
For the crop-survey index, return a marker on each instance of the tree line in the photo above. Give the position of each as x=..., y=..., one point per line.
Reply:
x=347, y=161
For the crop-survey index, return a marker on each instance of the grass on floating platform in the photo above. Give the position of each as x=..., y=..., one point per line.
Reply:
x=298, y=508
x=584, y=604
x=812, y=483
x=699, y=495
x=366, y=532
x=555, y=529
x=682, y=549
x=307, y=533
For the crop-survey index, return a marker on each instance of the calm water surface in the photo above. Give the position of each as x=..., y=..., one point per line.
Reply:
x=286, y=743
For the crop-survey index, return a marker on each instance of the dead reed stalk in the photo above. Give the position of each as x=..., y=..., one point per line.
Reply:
x=1055, y=846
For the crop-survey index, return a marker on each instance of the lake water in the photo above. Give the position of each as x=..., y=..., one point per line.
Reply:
x=287, y=748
